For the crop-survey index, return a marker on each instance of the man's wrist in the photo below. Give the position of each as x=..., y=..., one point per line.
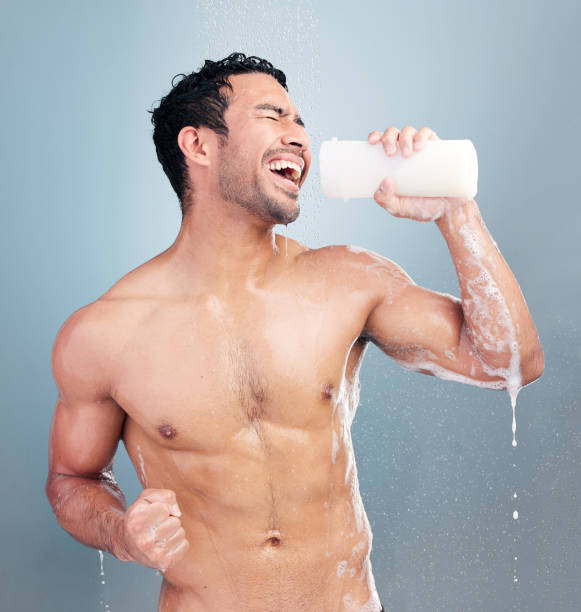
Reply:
x=461, y=212
x=119, y=548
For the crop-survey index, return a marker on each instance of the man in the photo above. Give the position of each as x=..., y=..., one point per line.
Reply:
x=228, y=364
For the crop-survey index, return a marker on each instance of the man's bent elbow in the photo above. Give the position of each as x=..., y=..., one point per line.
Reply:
x=533, y=367
x=50, y=488
x=55, y=493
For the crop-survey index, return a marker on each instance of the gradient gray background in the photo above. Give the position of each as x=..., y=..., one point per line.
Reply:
x=84, y=200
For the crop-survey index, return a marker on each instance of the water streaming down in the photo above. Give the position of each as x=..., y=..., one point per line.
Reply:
x=513, y=395
x=334, y=448
x=102, y=576
x=102, y=571
x=357, y=526
x=513, y=404
x=495, y=330
x=142, y=468
x=284, y=34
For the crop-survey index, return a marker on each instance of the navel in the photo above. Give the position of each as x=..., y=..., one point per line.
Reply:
x=167, y=431
x=274, y=538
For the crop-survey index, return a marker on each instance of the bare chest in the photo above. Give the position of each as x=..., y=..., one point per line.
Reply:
x=195, y=375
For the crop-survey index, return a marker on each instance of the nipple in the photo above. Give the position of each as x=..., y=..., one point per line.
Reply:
x=327, y=392
x=167, y=431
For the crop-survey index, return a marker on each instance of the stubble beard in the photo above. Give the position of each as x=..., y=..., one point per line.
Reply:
x=248, y=194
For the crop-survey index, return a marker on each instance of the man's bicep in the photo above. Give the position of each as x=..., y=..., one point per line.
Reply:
x=416, y=319
x=84, y=437
x=424, y=330
x=87, y=422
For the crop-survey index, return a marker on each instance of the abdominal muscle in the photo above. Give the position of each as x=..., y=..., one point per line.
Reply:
x=274, y=519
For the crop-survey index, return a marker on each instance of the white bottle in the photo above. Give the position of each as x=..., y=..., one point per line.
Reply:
x=354, y=169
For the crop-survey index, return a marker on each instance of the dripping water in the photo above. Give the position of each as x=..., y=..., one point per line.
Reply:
x=102, y=573
x=513, y=391
x=142, y=467
x=102, y=576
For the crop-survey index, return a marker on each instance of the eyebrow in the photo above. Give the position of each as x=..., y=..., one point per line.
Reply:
x=279, y=111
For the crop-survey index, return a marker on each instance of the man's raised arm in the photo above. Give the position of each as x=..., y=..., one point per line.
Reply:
x=488, y=336
x=85, y=432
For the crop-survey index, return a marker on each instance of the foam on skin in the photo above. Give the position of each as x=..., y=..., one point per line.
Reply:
x=356, y=521
x=335, y=448
x=142, y=468
x=492, y=330
x=487, y=305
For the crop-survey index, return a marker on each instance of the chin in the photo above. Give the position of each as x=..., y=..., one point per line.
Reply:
x=286, y=216
x=281, y=210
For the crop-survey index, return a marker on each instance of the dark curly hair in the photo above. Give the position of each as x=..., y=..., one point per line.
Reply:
x=198, y=100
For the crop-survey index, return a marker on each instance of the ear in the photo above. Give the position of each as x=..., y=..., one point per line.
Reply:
x=194, y=144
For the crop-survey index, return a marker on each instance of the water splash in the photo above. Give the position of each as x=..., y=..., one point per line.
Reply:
x=289, y=38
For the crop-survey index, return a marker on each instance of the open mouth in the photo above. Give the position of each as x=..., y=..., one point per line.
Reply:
x=288, y=173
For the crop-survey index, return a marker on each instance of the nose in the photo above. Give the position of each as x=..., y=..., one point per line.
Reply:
x=296, y=136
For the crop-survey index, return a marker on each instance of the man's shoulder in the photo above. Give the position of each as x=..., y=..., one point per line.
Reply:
x=91, y=329
x=352, y=261
x=136, y=285
x=98, y=330
x=81, y=350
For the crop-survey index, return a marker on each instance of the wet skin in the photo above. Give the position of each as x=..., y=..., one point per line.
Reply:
x=228, y=365
x=241, y=404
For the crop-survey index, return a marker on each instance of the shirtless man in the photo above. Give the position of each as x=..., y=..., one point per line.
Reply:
x=228, y=364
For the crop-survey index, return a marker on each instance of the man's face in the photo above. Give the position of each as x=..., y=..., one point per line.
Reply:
x=265, y=132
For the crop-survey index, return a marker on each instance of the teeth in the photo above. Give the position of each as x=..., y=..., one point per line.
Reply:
x=283, y=163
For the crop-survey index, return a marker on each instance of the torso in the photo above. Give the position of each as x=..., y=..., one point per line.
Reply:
x=242, y=404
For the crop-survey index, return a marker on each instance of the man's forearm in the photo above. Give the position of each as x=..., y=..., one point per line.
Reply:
x=495, y=312
x=91, y=510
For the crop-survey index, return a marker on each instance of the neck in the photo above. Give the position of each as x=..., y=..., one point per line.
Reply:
x=221, y=247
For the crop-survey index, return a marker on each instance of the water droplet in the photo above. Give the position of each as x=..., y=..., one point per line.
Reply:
x=515, y=515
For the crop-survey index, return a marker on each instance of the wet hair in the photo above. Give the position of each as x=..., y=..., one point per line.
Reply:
x=199, y=99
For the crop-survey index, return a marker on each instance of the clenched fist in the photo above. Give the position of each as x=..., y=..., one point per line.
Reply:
x=153, y=532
